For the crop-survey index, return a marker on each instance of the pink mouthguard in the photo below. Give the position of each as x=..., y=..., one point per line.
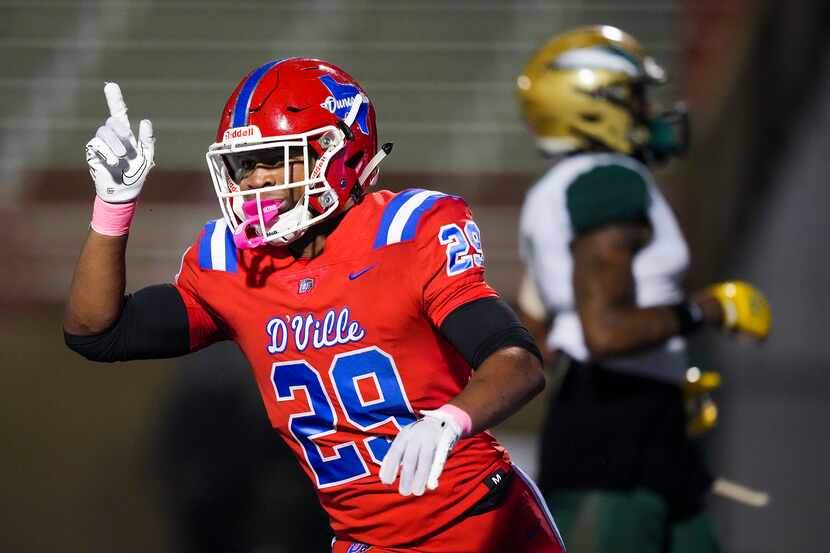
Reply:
x=270, y=214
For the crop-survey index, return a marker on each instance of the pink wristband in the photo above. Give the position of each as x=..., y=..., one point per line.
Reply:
x=112, y=219
x=460, y=415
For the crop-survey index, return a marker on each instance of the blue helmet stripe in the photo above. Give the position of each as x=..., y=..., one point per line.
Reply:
x=389, y=214
x=243, y=101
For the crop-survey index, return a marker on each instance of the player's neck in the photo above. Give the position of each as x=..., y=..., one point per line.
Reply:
x=310, y=245
x=313, y=248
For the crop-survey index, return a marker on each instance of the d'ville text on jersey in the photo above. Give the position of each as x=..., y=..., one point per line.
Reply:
x=334, y=328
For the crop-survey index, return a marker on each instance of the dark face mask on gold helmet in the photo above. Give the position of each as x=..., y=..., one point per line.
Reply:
x=669, y=134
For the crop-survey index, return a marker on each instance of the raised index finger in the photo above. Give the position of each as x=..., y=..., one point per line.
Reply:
x=115, y=101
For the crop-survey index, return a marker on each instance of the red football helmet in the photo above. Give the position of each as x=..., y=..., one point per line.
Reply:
x=304, y=110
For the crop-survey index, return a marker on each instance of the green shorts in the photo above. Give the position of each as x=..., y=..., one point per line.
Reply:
x=634, y=521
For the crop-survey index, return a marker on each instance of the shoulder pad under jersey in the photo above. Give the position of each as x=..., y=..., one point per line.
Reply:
x=217, y=250
x=402, y=214
x=606, y=194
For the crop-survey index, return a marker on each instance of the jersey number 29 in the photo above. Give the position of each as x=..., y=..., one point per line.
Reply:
x=463, y=247
x=347, y=370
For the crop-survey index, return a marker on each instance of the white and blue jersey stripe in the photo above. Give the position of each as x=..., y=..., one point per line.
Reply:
x=401, y=217
x=217, y=250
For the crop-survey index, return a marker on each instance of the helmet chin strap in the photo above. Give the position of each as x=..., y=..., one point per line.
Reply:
x=384, y=151
x=352, y=115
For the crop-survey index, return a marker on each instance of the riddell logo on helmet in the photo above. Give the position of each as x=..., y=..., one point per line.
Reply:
x=241, y=133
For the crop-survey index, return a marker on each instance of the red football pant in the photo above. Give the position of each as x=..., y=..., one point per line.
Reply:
x=522, y=524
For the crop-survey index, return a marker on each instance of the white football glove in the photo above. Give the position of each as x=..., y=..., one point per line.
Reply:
x=117, y=161
x=421, y=449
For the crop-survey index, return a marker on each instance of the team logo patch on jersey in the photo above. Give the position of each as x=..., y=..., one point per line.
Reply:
x=305, y=285
x=358, y=548
x=341, y=99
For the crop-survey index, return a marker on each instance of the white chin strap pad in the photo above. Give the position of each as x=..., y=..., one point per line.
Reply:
x=352, y=115
x=373, y=163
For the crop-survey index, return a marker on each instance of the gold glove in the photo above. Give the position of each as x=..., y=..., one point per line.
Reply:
x=745, y=308
x=701, y=411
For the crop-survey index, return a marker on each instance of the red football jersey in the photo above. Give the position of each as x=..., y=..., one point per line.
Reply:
x=346, y=349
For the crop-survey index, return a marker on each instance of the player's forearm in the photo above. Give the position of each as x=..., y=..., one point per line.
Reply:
x=97, y=291
x=624, y=330
x=114, y=153
x=502, y=385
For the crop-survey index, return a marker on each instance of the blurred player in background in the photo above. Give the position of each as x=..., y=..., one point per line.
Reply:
x=605, y=261
x=378, y=348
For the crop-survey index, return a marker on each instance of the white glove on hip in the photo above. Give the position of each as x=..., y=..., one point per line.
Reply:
x=420, y=449
x=117, y=161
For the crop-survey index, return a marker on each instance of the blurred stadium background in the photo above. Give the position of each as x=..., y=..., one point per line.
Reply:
x=127, y=457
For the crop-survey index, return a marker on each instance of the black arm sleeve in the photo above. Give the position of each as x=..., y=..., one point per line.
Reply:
x=480, y=328
x=153, y=325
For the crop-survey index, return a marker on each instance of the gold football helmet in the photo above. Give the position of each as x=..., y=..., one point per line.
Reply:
x=586, y=89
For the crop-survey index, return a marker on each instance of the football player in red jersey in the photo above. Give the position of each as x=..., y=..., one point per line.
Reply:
x=381, y=354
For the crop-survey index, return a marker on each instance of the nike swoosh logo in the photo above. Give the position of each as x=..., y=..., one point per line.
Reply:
x=130, y=180
x=353, y=276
